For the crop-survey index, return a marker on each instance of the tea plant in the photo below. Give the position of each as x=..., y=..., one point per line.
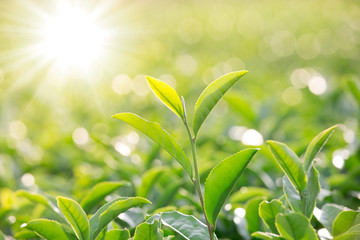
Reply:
x=222, y=177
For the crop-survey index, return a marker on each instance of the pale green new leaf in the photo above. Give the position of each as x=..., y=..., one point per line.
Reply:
x=148, y=231
x=211, y=95
x=50, y=230
x=294, y=226
x=311, y=192
x=117, y=234
x=266, y=236
x=99, y=192
x=222, y=179
x=76, y=216
x=344, y=221
x=34, y=197
x=167, y=95
x=316, y=145
x=289, y=163
x=110, y=211
x=268, y=212
x=352, y=234
x=159, y=135
x=292, y=195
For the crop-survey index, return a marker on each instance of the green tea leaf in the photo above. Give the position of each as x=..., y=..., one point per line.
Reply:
x=159, y=135
x=246, y=193
x=50, y=230
x=294, y=226
x=117, y=234
x=289, y=163
x=148, y=179
x=76, y=216
x=311, y=192
x=24, y=235
x=167, y=95
x=187, y=226
x=316, y=145
x=268, y=212
x=252, y=214
x=222, y=179
x=292, y=196
x=352, y=234
x=266, y=236
x=354, y=89
x=33, y=197
x=344, y=221
x=111, y=210
x=211, y=95
x=329, y=212
x=99, y=192
x=148, y=231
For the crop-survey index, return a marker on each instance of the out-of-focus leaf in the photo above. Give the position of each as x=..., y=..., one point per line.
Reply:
x=187, y=226
x=292, y=196
x=316, y=145
x=34, y=197
x=148, y=179
x=311, y=192
x=344, y=221
x=167, y=95
x=246, y=193
x=99, y=192
x=268, y=212
x=24, y=235
x=240, y=105
x=76, y=216
x=289, y=163
x=2, y=237
x=159, y=135
x=149, y=231
x=222, y=179
x=169, y=194
x=252, y=214
x=117, y=234
x=352, y=234
x=328, y=214
x=294, y=226
x=211, y=95
x=50, y=230
x=266, y=236
x=110, y=211
x=354, y=89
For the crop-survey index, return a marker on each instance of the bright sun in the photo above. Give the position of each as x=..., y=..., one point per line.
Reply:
x=72, y=38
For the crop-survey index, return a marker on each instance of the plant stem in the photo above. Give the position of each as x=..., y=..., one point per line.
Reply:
x=196, y=180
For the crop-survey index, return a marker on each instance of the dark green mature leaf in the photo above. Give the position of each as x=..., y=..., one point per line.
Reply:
x=316, y=145
x=268, y=212
x=50, y=230
x=148, y=231
x=148, y=179
x=99, y=192
x=352, y=234
x=221, y=181
x=186, y=225
x=328, y=214
x=167, y=95
x=211, y=95
x=76, y=216
x=311, y=192
x=111, y=210
x=292, y=195
x=159, y=135
x=117, y=234
x=344, y=221
x=266, y=236
x=354, y=89
x=294, y=226
x=289, y=163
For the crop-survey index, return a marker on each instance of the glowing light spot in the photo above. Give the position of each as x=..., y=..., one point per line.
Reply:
x=139, y=85
x=317, y=85
x=317, y=212
x=236, y=132
x=186, y=64
x=324, y=234
x=349, y=135
x=72, y=37
x=292, y=96
x=228, y=207
x=338, y=161
x=17, y=130
x=133, y=138
x=240, y=212
x=122, y=149
x=251, y=137
x=80, y=136
x=12, y=219
x=122, y=84
x=300, y=78
x=28, y=179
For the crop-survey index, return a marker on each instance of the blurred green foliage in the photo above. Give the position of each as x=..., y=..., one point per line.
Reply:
x=57, y=136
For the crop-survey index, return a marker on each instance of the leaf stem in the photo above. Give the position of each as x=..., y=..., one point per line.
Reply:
x=196, y=180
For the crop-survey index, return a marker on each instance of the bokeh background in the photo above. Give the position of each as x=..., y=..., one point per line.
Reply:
x=56, y=131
